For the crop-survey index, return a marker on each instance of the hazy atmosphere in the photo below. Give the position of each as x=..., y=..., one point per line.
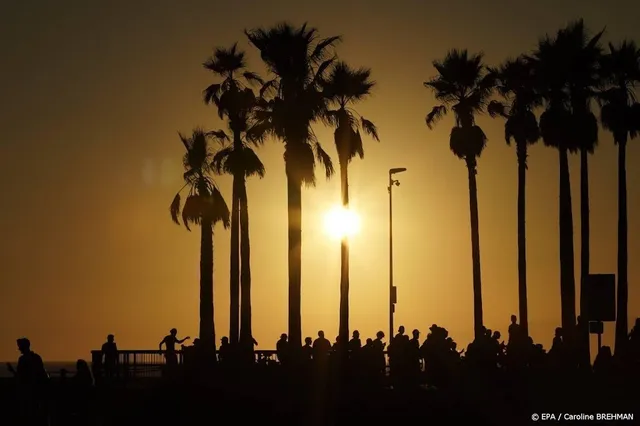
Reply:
x=93, y=95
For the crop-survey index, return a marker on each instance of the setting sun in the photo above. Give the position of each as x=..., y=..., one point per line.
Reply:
x=340, y=222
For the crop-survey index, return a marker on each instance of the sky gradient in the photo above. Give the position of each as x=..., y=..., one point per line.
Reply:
x=92, y=95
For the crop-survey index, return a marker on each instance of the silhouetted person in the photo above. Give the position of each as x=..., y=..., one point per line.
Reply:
x=337, y=344
x=355, y=343
x=557, y=353
x=194, y=359
x=516, y=344
x=170, y=342
x=110, y=356
x=282, y=349
x=83, y=377
x=33, y=382
x=321, y=348
x=307, y=349
x=497, y=349
x=398, y=356
x=82, y=393
x=603, y=364
x=248, y=346
x=439, y=355
x=538, y=355
x=377, y=354
x=581, y=342
x=515, y=331
x=414, y=353
x=400, y=336
x=355, y=352
x=224, y=353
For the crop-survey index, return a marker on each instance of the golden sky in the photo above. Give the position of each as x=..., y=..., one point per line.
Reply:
x=92, y=95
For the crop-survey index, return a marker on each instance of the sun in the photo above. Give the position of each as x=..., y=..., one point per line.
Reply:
x=340, y=222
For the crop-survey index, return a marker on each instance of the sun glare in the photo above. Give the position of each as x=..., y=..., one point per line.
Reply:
x=340, y=222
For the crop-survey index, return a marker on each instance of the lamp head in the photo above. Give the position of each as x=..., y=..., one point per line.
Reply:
x=397, y=170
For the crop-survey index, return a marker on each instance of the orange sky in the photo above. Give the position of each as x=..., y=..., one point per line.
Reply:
x=93, y=93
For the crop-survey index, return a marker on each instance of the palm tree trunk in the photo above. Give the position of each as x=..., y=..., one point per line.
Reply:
x=567, y=277
x=623, y=290
x=475, y=248
x=294, y=195
x=344, y=262
x=246, y=333
x=207, y=327
x=585, y=351
x=234, y=274
x=522, y=237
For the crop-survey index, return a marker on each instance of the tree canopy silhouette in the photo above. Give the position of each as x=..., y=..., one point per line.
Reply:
x=464, y=86
x=290, y=103
x=203, y=206
x=236, y=102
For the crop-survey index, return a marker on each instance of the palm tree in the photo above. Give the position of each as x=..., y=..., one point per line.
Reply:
x=344, y=87
x=583, y=55
x=516, y=84
x=620, y=114
x=297, y=60
x=550, y=68
x=203, y=206
x=464, y=87
x=236, y=101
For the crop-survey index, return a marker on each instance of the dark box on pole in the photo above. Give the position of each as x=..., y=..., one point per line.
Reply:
x=601, y=297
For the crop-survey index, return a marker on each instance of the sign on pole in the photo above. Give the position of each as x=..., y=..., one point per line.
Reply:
x=601, y=297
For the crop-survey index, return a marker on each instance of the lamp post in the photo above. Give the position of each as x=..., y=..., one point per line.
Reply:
x=393, y=296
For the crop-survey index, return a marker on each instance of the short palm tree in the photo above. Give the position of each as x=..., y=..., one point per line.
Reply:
x=297, y=60
x=516, y=84
x=204, y=206
x=235, y=101
x=620, y=114
x=343, y=88
x=464, y=86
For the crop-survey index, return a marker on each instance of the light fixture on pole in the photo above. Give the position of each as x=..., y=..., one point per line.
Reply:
x=393, y=295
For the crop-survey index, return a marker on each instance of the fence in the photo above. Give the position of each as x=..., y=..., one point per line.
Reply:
x=149, y=363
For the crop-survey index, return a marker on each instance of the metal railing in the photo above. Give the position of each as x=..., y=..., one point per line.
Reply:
x=150, y=363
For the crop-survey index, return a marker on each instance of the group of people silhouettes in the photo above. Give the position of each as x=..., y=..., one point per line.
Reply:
x=434, y=361
x=437, y=359
x=37, y=404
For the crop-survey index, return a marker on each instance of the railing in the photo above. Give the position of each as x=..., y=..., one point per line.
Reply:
x=149, y=363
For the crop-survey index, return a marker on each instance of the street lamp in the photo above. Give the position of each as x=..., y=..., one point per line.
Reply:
x=393, y=295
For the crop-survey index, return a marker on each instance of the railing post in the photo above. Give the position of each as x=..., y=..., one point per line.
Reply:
x=135, y=364
x=125, y=364
x=96, y=365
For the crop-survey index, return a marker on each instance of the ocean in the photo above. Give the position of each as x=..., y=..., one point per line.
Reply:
x=52, y=367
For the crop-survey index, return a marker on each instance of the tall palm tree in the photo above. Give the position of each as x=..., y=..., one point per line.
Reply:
x=583, y=55
x=236, y=101
x=464, y=86
x=620, y=114
x=204, y=206
x=343, y=88
x=297, y=60
x=550, y=68
x=516, y=84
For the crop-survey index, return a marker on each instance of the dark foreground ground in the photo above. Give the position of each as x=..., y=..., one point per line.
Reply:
x=272, y=398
